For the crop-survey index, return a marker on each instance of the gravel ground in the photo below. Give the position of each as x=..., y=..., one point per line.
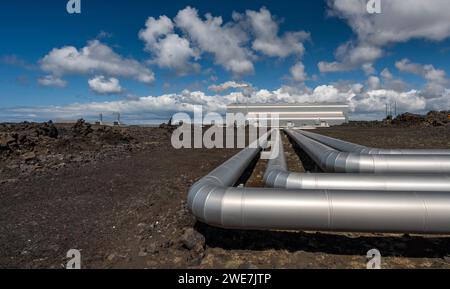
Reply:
x=118, y=195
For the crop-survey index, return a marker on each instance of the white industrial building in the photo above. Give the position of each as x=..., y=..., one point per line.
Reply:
x=300, y=115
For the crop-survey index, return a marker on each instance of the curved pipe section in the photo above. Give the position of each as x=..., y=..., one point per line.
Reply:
x=333, y=161
x=354, y=148
x=203, y=196
x=278, y=176
x=213, y=202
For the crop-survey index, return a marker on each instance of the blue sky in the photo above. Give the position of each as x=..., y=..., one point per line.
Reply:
x=30, y=30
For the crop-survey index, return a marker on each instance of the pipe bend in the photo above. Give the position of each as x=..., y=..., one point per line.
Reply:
x=204, y=202
x=197, y=196
x=218, y=206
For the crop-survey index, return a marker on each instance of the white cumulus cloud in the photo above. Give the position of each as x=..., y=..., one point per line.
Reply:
x=169, y=49
x=102, y=85
x=179, y=43
x=373, y=82
x=437, y=80
x=225, y=42
x=94, y=58
x=265, y=29
x=400, y=21
x=298, y=72
x=228, y=85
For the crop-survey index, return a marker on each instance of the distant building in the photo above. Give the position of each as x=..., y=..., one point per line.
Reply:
x=294, y=115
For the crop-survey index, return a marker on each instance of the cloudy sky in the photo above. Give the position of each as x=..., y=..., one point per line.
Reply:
x=150, y=59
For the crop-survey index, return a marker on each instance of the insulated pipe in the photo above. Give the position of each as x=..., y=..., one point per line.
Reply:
x=331, y=160
x=369, y=182
x=203, y=195
x=354, y=148
x=214, y=203
x=278, y=176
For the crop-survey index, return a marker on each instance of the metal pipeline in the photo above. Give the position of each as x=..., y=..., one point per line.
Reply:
x=278, y=176
x=333, y=161
x=277, y=173
x=355, y=148
x=214, y=202
x=205, y=195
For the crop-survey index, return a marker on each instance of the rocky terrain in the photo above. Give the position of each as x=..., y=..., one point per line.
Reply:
x=408, y=120
x=33, y=147
x=119, y=196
